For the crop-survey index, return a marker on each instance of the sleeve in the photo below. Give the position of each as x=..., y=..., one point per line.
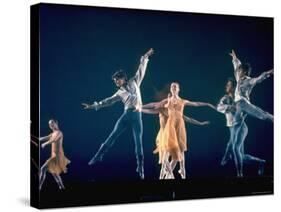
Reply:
x=108, y=101
x=141, y=70
x=223, y=105
x=259, y=79
x=236, y=63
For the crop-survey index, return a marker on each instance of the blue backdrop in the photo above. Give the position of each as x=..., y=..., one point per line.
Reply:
x=80, y=47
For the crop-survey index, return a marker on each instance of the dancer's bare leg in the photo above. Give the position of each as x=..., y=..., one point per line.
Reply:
x=58, y=181
x=182, y=167
x=42, y=175
x=173, y=164
x=168, y=169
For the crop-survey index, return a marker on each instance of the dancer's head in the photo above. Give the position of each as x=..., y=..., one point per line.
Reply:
x=244, y=70
x=53, y=124
x=119, y=78
x=230, y=86
x=175, y=88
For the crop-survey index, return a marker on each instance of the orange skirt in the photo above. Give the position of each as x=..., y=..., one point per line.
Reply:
x=57, y=164
x=175, y=138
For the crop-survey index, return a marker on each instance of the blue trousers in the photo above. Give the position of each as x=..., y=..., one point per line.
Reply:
x=240, y=132
x=248, y=108
x=129, y=119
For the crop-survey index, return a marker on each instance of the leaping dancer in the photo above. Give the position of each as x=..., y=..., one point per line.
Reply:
x=129, y=93
x=243, y=106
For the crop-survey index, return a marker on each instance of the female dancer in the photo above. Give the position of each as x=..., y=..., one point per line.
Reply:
x=175, y=132
x=57, y=163
x=158, y=108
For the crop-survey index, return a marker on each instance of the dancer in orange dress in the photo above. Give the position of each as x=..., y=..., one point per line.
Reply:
x=174, y=135
x=158, y=108
x=57, y=163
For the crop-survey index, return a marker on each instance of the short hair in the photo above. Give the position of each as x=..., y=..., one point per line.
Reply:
x=54, y=120
x=120, y=74
x=232, y=80
x=246, y=67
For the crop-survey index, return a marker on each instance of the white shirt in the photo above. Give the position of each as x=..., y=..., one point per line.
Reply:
x=130, y=94
x=245, y=85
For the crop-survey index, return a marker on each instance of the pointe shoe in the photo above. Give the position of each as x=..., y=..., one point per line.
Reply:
x=224, y=161
x=141, y=172
x=261, y=167
x=240, y=175
x=182, y=173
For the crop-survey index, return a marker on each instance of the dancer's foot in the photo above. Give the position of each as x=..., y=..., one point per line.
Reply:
x=240, y=175
x=182, y=173
x=225, y=160
x=141, y=172
x=162, y=174
x=95, y=159
x=261, y=167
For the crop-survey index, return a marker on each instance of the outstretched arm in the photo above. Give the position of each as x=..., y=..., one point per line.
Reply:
x=45, y=138
x=262, y=77
x=194, y=121
x=150, y=111
x=236, y=63
x=155, y=105
x=198, y=104
x=53, y=138
x=142, y=67
x=104, y=103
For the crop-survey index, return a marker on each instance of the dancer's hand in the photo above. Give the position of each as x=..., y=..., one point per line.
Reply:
x=205, y=123
x=88, y=106
x=149, y=52
x=233, y=55
x=270, y=72
x=43, y=145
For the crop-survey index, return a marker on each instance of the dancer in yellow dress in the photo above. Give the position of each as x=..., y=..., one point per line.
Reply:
x=159, y=108
x=174, y=135
x=57, y=163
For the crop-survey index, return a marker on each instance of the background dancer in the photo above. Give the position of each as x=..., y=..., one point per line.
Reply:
x=57, y=163
x=238, y=133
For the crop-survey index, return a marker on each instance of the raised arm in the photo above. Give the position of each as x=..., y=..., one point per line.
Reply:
x=236, y=63
x=198, y=104
x=261, y=77
x=194, y=121
x=103, y=103
x=142, y=67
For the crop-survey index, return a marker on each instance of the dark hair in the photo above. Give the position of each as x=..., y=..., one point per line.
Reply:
x=232, y=80
x=119, y=75
x=246, y=67
x=54, y=120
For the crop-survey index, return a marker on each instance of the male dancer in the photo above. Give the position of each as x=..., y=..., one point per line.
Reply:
x=244, y=88
x=129, y=93
x=238, y=132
